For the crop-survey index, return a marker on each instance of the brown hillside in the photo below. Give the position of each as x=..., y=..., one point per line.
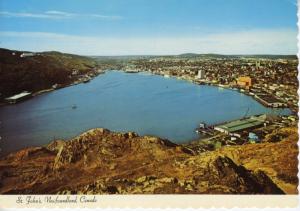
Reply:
x=103, y=162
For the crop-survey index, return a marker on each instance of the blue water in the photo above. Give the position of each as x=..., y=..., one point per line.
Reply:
x=146, y=104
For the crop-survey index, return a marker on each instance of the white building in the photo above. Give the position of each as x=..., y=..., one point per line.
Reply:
x=257, y=64
x=18, y=97
x=201, y=74
x=27, y=54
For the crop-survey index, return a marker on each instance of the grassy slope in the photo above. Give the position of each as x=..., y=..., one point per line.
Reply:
x=38, y=72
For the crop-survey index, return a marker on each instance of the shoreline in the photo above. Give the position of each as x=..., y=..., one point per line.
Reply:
x=209, y=83
x=194, y=81
x=44, y=91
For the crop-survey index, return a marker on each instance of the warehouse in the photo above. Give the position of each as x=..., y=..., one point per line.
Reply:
x=18, y=97
x=241, y=124
x=269, y=101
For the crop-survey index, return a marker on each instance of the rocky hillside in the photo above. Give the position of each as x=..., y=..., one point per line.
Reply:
x=28, y=71
x=104, y=162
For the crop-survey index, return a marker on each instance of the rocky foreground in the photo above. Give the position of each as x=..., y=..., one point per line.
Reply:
x=104, y=162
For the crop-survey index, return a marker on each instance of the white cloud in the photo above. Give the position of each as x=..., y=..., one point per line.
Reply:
x=24, y=15
x=280, y=41
x=53, y=14
x=40, y=35
x=60, y=14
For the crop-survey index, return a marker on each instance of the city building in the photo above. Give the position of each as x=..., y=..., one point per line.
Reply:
x=257, y=64
x=244, y=82
x=201, y=74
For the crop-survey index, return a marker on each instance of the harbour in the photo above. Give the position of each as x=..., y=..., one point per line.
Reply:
x=144, y=103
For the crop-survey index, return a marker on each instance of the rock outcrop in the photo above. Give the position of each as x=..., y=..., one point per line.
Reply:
x=104, y=162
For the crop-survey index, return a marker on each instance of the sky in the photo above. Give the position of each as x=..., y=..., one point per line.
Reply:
x=150, y=27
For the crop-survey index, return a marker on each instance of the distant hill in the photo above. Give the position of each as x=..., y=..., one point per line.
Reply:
x=265, y=56
x=193, y=55
x=211, y=55
x=261, y=56
x=29, y=71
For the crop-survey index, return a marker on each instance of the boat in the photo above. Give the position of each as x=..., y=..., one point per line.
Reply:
x=86, y=80
x=131, y=71
x=74, y=106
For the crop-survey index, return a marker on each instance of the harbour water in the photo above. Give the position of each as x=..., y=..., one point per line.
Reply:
x=147, y=104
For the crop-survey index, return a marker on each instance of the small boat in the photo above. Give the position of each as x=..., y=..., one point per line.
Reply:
x=131, y=71
x=86, y=80
x=74, y=106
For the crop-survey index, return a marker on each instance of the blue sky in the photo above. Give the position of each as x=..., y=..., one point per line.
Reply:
x=119, y=27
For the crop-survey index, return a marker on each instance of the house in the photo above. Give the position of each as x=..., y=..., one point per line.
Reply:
x=253, y=138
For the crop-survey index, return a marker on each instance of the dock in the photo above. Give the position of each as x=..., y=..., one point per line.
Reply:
x=205, y=129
